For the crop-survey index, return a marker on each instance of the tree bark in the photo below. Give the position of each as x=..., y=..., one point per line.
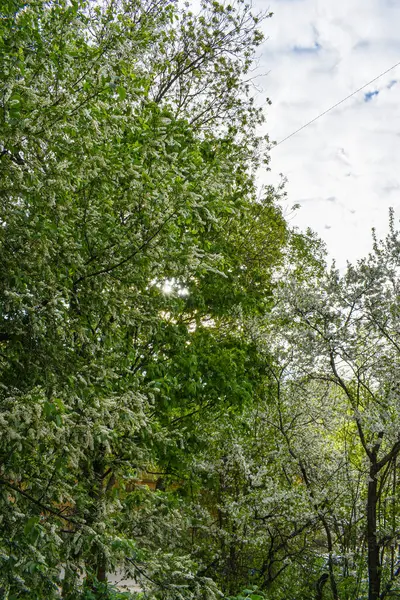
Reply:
x=332, y=579
x=320, y=585
x=374, y=569
x=96, y=564
x=101, y=568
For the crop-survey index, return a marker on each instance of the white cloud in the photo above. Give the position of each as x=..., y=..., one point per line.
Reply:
x=344, y=168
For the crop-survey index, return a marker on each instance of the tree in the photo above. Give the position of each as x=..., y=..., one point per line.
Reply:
x=345, y=334
x=127, y=158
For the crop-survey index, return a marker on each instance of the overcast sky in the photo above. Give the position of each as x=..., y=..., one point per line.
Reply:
x=344, y=169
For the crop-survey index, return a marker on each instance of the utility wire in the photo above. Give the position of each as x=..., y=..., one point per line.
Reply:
x=335, y=105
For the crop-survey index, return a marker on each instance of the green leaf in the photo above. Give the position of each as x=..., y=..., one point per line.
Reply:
x=31, y=524
x=121, y=92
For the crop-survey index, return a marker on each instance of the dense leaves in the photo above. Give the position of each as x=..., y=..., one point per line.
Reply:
x=188, y=398
x=133, y=245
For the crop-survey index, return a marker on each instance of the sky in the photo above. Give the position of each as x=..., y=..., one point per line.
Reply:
x=344, y=169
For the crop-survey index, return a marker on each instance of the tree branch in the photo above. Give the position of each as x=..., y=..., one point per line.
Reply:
x=38, y=503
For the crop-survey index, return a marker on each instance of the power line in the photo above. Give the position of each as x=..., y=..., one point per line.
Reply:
x=335, y=105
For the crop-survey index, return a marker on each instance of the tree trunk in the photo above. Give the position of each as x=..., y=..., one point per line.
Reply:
x=392, y=559
x=101, y=568
x=332, y=579
x=96, y=564
x=374, y=571
x=320, y=585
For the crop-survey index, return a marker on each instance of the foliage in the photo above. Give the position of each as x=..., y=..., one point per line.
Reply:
x=252, y=594
x=299, y=492
x=344, y=341
x=188, y=396
x=134, y=244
